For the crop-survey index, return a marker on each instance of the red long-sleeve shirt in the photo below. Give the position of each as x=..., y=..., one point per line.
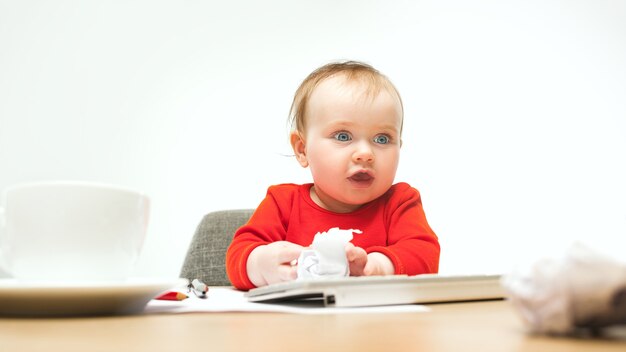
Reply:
x=394, y=225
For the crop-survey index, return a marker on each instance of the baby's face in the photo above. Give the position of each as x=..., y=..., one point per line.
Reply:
x=352, y=143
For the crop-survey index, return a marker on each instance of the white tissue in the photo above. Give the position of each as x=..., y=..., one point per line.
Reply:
x=584, y=289
x=327, y=256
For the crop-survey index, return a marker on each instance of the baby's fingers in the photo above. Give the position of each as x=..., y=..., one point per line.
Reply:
x=289, y=252
x=355, y=253
x=357, y=259
x=287, y=272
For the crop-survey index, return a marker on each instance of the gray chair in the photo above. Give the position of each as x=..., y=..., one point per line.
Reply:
x=205, y=259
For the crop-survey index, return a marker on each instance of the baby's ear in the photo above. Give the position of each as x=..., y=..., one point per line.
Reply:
x=299, y=148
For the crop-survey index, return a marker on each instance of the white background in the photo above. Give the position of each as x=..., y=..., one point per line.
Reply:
x=515, y=126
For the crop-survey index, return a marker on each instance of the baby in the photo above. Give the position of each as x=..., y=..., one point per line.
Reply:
x=346, y=122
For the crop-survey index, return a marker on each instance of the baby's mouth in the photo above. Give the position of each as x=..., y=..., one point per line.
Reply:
x=362, y=178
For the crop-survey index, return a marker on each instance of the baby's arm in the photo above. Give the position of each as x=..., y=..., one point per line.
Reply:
x=363, y=264
x=271, y=263
x=411, y=244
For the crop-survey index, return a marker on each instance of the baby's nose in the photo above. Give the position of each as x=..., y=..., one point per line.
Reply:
x=363, y=153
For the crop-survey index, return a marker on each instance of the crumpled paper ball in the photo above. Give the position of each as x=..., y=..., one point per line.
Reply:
x=326, y=256
x=582, y=290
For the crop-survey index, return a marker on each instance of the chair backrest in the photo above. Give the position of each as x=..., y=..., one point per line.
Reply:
x=205, y=259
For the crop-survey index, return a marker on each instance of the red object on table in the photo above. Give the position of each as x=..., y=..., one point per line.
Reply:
x=172, y=296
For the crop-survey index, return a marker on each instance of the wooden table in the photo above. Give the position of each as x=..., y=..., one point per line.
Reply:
x=476, y=326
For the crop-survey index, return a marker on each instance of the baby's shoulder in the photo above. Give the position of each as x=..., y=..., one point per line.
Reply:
x=288, y=190
x=402, y=191
x=284, y=188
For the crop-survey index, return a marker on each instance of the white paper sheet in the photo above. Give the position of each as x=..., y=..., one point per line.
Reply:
x=224, y=299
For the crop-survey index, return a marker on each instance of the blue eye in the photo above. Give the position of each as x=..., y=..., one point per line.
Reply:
x=342, y=136
x=381, y=139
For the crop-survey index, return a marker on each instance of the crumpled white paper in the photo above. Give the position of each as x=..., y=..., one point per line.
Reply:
x=327, y=255
x=584, y=289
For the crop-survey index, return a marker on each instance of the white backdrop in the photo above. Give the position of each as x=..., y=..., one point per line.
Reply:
x=515, y=127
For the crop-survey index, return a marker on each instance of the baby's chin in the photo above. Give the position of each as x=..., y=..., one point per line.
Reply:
x=346, y=201
x=361, y=200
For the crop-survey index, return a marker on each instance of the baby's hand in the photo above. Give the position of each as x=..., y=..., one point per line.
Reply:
x=363, y=264
x=271, y=263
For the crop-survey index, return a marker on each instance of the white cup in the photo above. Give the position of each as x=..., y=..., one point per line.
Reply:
x=71, y=231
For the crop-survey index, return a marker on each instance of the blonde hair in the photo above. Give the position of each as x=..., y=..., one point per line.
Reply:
x=354, y=71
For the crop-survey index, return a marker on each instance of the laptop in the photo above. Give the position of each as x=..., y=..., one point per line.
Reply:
x=364, y=291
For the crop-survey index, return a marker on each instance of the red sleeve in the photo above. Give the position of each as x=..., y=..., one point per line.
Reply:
x=267, y=225
x=412, y=246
